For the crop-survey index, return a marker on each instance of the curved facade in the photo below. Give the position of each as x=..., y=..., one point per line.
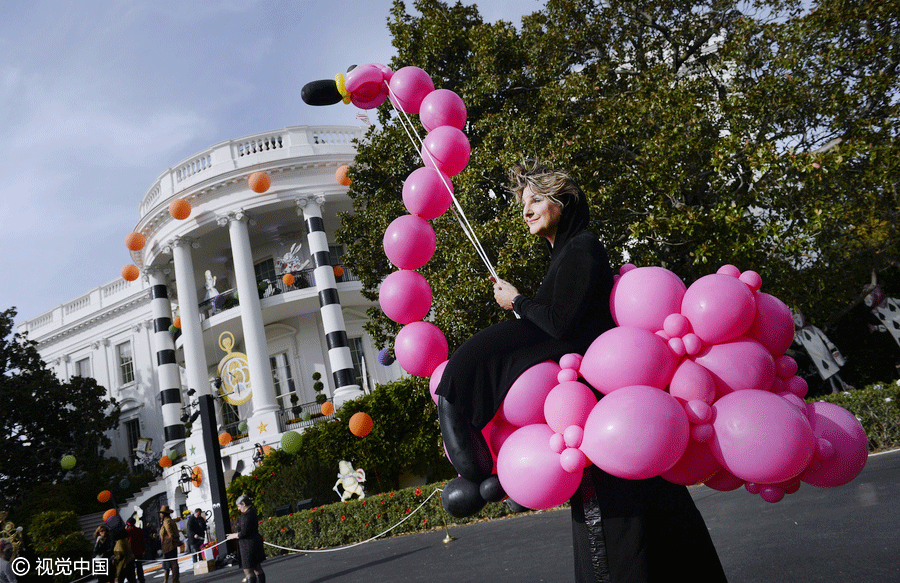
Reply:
x=220, y=271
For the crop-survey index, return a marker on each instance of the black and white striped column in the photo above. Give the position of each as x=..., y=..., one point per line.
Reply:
x=345, y=387
x=167, y=368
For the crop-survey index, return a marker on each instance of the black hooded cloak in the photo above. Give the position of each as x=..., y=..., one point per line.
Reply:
x=568, y=311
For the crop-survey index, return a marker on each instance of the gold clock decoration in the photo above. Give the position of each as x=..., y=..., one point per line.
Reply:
x=234, y=370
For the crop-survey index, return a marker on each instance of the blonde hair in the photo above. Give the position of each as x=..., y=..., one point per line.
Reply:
x=556, y=185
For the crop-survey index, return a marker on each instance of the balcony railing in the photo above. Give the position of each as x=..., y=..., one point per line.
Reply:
x=236, y=435
x=295, y=420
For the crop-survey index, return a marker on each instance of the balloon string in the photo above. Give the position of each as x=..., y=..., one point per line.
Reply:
x=457, y=210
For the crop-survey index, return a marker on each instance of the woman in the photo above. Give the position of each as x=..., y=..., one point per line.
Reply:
x=623, y=530
x=250, y=542
x=169, y=540
x=104, y=549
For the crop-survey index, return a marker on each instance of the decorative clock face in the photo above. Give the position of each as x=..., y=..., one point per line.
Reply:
x=234, y=370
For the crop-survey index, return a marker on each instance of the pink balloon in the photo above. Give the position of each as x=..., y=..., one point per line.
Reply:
x=366, y=85
x=848, y=440
x=643, y=297
x=501, y=429
x=420, y=347
x=696, y=465
x=442, y=107
x=409, y=242
x=447, y=149
x=760, y=437
x=773, y=326
x=524, y=403
x=738, y=365
x=625, y=356
x=719, y=307
x=692, y=382
x=408, y=87
x=771, y=494
x=405, y=296
x=427, y=193
x=435, y=380
x=724, y=481
x=636, y=432
x=568, y=403
x=785, y=366
x=798, y=386
x=530, y=472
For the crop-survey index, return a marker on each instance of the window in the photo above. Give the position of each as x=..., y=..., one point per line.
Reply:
x=133, y=433
x=283, y=379
x=125, y=360
x=357, y=355
x=335, y=257
x=83, y=367
x=265, y=269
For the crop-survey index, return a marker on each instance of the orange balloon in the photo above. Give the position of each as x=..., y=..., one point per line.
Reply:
x=104, y=496
x=338, y=271
x=108, y=513
x=341, y=176
x=180, y=209
x=259, y=182
x=361, y=424
x=135, y=241
x=165, y=462
x=177, y=322
x=288, y=279
x=224, y=438
x=130, y=272
x=327, y=408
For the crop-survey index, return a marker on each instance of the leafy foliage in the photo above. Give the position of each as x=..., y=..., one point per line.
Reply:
x=43, y=418
x=57, y=534
x=708, y=132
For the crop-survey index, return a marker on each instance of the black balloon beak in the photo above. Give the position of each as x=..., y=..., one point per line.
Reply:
x=323, y=92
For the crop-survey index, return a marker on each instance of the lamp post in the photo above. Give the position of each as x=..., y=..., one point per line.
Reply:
x=216, y=476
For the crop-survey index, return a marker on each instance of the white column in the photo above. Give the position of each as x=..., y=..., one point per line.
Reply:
x=189, y=308
x=263, y=397
x=339, y=355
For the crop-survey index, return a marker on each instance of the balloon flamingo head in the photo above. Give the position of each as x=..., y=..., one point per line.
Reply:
x=364, y=86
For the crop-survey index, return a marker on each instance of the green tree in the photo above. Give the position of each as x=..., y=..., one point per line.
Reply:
x=760, y=134
x=42, y=419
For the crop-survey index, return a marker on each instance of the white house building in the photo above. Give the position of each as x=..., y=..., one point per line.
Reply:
x=246, y=337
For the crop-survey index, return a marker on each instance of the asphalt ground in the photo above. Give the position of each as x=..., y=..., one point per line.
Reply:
x=849, y=534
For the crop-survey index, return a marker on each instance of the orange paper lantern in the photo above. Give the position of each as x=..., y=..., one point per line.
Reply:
x=224, y=438
x=267, y=449
x=341, y=176
x=180, y=209
x=196, y=476
x=108, y=513
x=177, y=322
x=338, y=271
x=130, y=272
x=165, y=461
x=104, y=496
x=327, y=408
x=361, y=424
x=259, y=182
x=288, y=279
x=135, y=241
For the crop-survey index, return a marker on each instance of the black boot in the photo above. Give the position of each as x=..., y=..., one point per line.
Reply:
x=468, y=451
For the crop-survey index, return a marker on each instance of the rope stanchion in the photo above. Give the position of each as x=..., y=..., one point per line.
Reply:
x=345, y=547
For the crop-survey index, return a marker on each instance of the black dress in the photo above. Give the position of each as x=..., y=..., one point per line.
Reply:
x=250, y=542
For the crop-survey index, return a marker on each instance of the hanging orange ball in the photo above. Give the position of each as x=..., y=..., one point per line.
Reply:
x=338, y=271
x=259, y=182
x=177, y=322
x=130, y=272
x=341, y=176
x=360, y=424
x=327, y=408
x=224, y=438
x=104, y=496
x=165, y=461
x=135, y=241
x=180, y=209
x=288, y=279
x=108, y=513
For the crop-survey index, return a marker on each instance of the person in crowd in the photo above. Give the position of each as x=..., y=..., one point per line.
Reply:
x=249, y=540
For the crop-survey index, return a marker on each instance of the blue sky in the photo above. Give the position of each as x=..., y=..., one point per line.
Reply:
x=97, y=98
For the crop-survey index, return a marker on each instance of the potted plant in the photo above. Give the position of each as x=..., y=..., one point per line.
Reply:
x=318, y=385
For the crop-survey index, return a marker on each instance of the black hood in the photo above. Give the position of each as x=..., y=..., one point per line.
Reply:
x=575, y=218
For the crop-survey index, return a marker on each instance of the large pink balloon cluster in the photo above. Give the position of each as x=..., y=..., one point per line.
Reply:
x=696, y=387
x=409, y=241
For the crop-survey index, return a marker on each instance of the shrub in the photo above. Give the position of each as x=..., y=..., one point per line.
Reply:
x=57, y=534
x=877, y=407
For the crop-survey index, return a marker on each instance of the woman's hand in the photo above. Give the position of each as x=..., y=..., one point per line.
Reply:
x=504, y=293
